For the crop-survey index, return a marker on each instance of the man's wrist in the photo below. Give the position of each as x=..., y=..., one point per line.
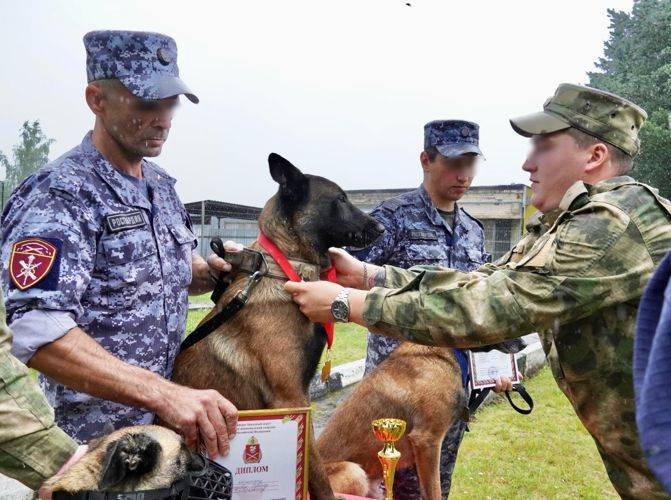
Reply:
x=377, y=277
x=357, y=299
x=157, y=393
x=340, y=306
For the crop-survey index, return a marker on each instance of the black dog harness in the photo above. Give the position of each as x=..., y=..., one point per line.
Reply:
x=247, y=261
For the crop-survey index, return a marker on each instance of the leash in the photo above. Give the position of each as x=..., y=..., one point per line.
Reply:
x=254, y=263
x=479, y=395
x=227, y=312
x=330, y=274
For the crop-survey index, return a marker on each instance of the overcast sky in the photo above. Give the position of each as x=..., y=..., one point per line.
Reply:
x=340, y=88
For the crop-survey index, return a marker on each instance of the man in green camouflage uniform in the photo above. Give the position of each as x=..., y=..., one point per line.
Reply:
x=577, y=282
x=32, y=447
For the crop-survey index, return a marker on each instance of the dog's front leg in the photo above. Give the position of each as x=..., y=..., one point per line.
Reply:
x=426, y=448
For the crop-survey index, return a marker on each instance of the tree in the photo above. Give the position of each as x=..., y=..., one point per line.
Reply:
x=29, y=155
x=637, y=65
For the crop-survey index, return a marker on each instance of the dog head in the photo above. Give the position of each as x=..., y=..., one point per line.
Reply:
x=131, y=459
x=317, y=211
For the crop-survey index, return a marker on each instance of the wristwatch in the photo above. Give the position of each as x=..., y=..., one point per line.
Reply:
x=340, y=306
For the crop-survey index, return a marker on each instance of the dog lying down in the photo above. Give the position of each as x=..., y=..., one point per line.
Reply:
x=144, y=457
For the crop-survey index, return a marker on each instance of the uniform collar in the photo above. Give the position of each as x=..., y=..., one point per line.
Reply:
x=124, y=188
x=432, y=212
x=571, y=194
x=610, y=184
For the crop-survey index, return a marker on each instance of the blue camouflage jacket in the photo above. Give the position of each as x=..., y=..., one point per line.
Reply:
x=81, y=241
x=416, y=234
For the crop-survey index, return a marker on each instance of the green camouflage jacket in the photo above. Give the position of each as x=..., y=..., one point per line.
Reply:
x=578, y=284
x=32, y=448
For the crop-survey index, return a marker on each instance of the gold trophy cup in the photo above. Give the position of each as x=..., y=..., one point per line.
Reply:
x=388, y=430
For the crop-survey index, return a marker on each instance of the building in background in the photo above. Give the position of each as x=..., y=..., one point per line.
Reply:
x=501, y=209
x=227, y=221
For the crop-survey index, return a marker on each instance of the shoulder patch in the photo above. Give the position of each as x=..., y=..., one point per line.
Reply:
x=35, y=261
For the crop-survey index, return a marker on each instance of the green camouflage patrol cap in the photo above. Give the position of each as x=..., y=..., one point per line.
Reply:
x=606, y=116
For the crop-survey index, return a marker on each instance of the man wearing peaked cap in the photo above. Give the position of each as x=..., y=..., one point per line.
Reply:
x=577, y=283
x=145, y=63
x=97, y=256
x=428, y=226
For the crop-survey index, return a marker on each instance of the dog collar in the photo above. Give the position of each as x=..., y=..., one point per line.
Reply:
x=329, y=274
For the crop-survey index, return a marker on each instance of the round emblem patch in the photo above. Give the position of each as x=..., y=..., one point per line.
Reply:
x=465, y=132
x=163, y=56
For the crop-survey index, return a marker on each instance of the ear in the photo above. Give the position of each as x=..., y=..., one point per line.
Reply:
x=598, y=155
x=293, y=183
x=424, y=160
x=113, y=468
x=94, y=98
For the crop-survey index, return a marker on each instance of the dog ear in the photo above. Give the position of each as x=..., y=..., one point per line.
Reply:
x=130, y=455
x=113, y=470
x=293, y=183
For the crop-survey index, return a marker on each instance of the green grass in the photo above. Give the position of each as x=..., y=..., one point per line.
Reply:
x=547, y=454
x=194, y=317
x=204, y=297
x=349, y=343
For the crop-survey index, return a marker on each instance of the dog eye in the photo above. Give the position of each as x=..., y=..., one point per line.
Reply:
x=342, y=198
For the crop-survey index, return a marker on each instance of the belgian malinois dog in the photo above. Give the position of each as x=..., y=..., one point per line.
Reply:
x=419, y=384
x=266, y=355
x=144, y=457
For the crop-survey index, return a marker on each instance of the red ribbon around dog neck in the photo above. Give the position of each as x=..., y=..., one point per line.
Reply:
x=329, y=274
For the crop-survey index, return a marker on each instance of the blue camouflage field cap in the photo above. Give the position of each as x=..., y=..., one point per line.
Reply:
x=452, y=137
x=145, y=63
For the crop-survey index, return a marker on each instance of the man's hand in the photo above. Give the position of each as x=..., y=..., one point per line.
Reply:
x=314, y=298
x=503, y=384
x=352, y=273
x=44, y=492
x=203, y=415
x=205, y=274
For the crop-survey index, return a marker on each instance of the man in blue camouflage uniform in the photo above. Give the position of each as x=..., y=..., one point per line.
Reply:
x=427, y=227
x=98, y=262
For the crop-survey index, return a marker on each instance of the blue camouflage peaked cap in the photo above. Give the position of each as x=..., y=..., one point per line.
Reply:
x=145, y=63
x=452, y=138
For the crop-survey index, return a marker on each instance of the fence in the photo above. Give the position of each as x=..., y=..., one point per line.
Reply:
x=228, y=221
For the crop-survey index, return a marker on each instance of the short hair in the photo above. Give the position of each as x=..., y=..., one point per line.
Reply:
x=432, y=153
x=109, y=86
x=622, y=161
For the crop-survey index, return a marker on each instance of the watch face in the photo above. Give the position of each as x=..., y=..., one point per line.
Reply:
x=340, y=310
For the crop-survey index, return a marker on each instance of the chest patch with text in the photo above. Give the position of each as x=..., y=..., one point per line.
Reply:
x=125, y=220
x=422, y=234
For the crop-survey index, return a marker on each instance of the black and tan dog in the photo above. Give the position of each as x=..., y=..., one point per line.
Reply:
x=419, y=384
x=146, y=457
x=266, y=355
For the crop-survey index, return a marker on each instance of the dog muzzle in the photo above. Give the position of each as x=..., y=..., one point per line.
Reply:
x=211, y=482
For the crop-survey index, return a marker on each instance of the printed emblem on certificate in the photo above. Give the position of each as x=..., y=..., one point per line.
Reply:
x=268, y=456
x=486, y=367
